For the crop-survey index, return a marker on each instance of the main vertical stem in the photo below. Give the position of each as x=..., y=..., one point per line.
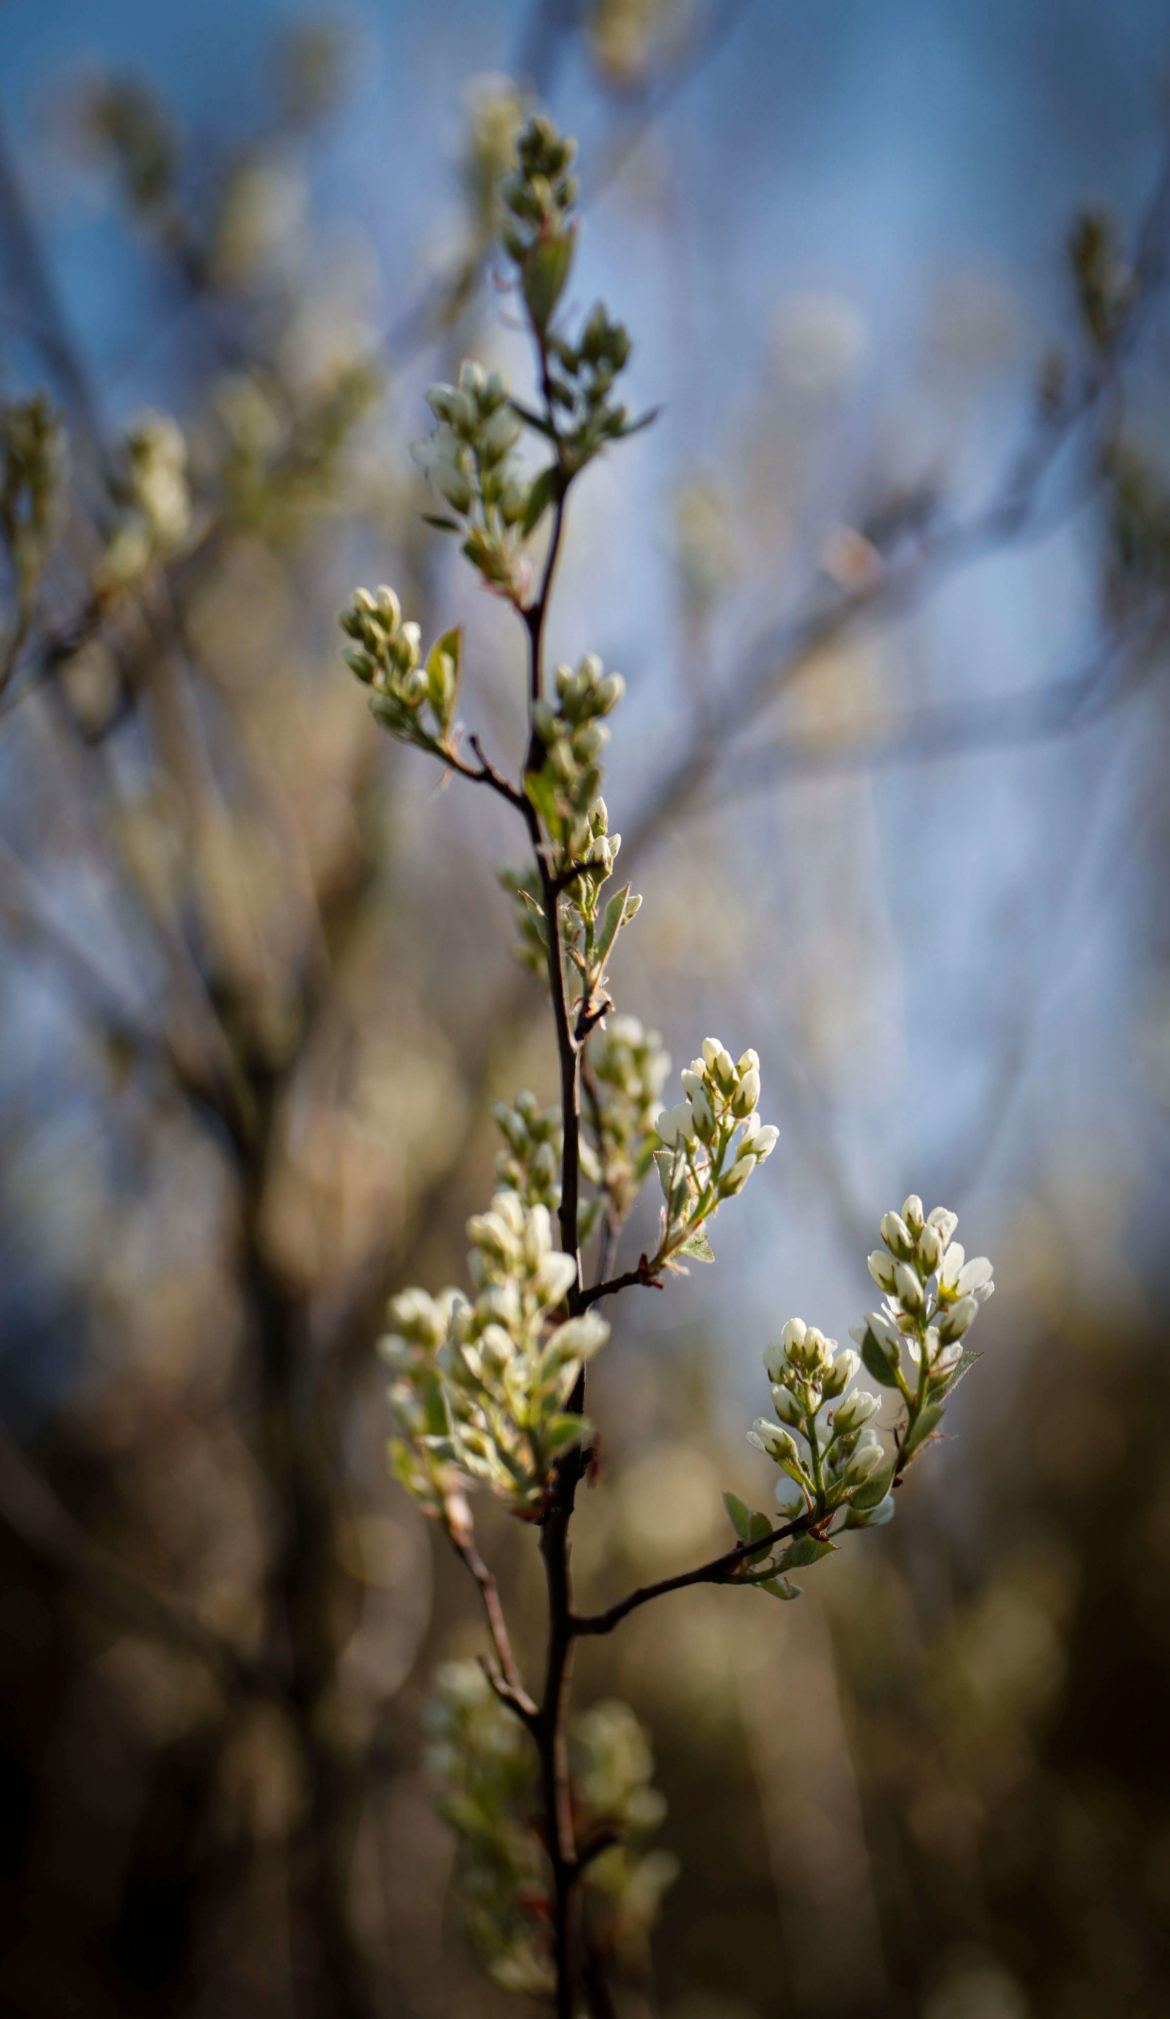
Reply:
x=549, y=1728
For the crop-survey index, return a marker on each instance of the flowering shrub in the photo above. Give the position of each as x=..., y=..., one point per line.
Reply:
x=488, y=1391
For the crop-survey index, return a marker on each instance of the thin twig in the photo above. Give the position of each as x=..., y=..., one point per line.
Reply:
x=721, y=1570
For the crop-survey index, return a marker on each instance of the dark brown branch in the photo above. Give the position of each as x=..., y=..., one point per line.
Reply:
x=643, y=1275
x=504, y=1675
x=721, y=1570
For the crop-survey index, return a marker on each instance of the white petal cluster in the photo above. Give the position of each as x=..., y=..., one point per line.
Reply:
x=933, y=1295
x=503, y=1369
x=572, y=733
x=468, y=457
x=712, y=1141
x=823, y=1437
x=629, y=1068
x=415, y=701
x=155, y=501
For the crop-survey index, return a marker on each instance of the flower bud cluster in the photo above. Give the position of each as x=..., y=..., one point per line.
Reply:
x=538, y=197
x=485, y=1767
x=612, y=1768
x=628, y=1067
x=415, y=701
x=530, y=1162
x=933, y=1295
x=469, y=460
x=572, y=734
x=495, y=114
x=712, y=1140
x=32, y=453
x=506, y=1366
x=154, y=500
x=484, y=1764
x=581, y=379
x=823, y=1437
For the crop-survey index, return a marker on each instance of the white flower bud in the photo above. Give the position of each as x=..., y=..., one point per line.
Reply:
x=794, y=1331
x=930, y=1248
x=856, y=1409
x=908, y=1287
x=881, y=1267
x=764, y=1142
x=912, y=1212
x=770, y=1438
x=896, y=1235
x=957, y=1320
x=774, y=1361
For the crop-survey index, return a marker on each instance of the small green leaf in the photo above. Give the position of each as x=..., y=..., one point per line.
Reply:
x=875, y=1487
x=541, y=495
x=878, y=1361
x=611, y=924
x=922, y=1428
x=643, y=421
x=781, y=1588
x=697, y=1248
x=949, y=1382
x=664, y=1165
x=441, y=524
x=741, y=1516
x=545, y=272
x=804, y=1549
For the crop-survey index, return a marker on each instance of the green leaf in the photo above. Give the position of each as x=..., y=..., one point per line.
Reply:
x=697, y=1248
x=875, y=1488
x=877, y=1361
x=949, y=1382
x=441, y=524
x=804, y=1549
x=545, y=272
x=561, y=1433
x=643, y=421
x=781, y=1588
x=541, y=495
x=922, y=1428
x=741, y=1515
x=533, y=420
x=664, y=1165
x=611, y=923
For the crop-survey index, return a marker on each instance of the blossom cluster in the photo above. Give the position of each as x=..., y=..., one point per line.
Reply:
x=570, y=737
x=712, y=1142
x=154, y=502
x=505, y=1366
x=582, y=378
x=530, y=1162
x=483, y=1763
x=479, y=1755
x=823, y=1439
x=627, y=1071
x=414, y=700
x=537, y=198
x=469, y=459
x=933, y=1296
x=825, y=1436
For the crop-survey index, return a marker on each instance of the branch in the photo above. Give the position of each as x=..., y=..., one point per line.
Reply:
x=504, y=1675
x=720, y=1570
x=643, y=1274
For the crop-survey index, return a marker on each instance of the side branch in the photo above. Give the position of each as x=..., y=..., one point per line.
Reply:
x=644, y=1274
x=503, y=1675
x=721, y=1570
